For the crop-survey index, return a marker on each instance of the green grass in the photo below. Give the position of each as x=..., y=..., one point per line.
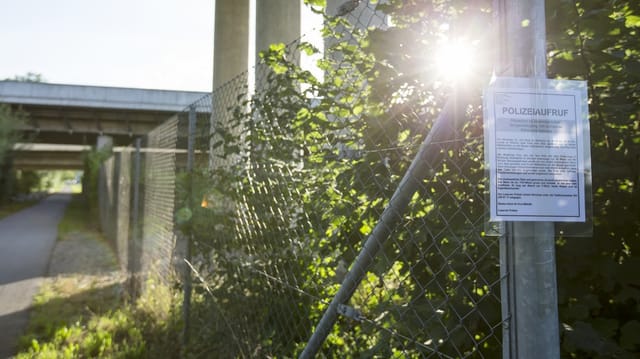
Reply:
x=76, y=188
x=64, y=188
x=14, y=207
x=77, y=218
x=82, y=315
x=59, y=181
x=99, y=323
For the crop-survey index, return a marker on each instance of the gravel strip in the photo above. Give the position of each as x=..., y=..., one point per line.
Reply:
x=87, y=258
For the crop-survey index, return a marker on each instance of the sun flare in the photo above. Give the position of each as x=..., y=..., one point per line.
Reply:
x=455, y=61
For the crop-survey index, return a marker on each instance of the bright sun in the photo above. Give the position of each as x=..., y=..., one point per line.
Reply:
x=454, y=61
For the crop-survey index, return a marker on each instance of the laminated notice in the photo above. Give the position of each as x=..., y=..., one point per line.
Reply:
x=534, y=144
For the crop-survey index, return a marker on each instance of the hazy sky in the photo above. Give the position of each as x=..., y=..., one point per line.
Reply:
x=159, y=44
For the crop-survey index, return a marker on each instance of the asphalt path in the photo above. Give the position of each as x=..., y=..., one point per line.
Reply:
x=26, y=241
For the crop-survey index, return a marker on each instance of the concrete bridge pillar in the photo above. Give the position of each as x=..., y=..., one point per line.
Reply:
x=104, y=142
x=284, y=21
x=105, y=184
x=230, y=59
x=277, y=21
x=231, y=40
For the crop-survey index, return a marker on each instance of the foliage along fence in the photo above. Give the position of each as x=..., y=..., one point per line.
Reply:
x=257, y=203
x=285, y=186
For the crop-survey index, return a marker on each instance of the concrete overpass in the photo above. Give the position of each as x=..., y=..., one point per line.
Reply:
x=78, y=115
x=42, y=156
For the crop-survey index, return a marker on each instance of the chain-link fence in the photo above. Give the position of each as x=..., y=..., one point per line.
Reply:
x=338, y=204
x=158, y=181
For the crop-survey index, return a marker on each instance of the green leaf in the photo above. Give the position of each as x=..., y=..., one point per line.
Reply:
x=607, y=327
x=584, y=338
x=358, y=109
x=277, y=48
x=183, y=215
x=365, y=229
x=307, y=48
x=303, y=114
x=630, y=335
x=632, y=21
x=321, y=3
x=632, y=68
x=579, y=311
x=278, y=68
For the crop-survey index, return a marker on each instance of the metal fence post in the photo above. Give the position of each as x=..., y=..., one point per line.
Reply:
x=527, y=249
x=389, y=219
x=134, y=242
x=186, y=306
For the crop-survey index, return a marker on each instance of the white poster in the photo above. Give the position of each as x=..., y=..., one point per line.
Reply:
x=534, y=143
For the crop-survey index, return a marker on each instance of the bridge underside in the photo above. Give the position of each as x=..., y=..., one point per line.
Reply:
x=78, y=115
x=49, y=157
x=81, y=126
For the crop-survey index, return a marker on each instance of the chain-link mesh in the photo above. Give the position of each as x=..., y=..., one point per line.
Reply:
x=296, y=180
x=157, y=220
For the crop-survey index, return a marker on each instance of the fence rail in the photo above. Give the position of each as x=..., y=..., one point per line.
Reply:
x=274, y=207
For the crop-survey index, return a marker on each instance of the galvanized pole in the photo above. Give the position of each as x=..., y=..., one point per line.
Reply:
x=388, y=221
x=186, y=306
x=527, y=249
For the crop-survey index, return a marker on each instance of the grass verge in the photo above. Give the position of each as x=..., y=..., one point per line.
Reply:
x=13, y=207
x=82, y=309
x=77, y=218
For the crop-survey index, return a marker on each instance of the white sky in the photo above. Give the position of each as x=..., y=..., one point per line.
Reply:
x=155, y=44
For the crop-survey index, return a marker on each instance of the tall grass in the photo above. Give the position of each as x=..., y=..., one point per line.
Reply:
x=83, y=315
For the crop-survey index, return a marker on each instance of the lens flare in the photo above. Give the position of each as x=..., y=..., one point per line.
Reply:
x=455, y=61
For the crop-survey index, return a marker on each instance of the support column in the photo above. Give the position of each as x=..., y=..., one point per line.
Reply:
x=105, y=186
x=284, y=21
x=277, y=21
x=104, y=143
x=231, y=40
x=230, y=59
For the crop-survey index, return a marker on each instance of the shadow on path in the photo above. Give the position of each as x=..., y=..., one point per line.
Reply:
x=26, y=241
x=92, y=301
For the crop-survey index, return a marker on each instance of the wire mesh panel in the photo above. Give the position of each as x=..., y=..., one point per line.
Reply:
x=158, y=237
x=302, y=171
x=293, y=187
x=433, y=288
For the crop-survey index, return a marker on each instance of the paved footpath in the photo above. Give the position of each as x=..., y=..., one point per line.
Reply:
x=26, y=241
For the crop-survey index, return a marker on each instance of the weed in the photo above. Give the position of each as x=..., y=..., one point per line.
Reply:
x=84, y=314
x=76, y=218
